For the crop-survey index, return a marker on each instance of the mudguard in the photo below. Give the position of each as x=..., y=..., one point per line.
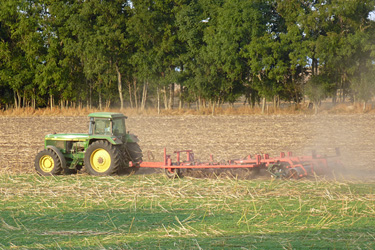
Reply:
x=111, y=139
x=131, y=138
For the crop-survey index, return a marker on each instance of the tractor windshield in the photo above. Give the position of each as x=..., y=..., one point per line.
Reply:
x=119, y=127
x=102, y=126
x=107, y=126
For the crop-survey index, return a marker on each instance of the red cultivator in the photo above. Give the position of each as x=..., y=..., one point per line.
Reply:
x=284, y=166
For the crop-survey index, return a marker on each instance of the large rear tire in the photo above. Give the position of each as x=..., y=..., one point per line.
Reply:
x=102, y=158
x=135, y=155
x=48, y=163
x=135, y=152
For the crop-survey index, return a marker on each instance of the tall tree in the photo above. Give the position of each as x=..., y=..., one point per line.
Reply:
x=153, y=27
x=21, y=48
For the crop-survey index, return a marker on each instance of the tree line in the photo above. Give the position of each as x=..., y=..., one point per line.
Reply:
x=143, y=53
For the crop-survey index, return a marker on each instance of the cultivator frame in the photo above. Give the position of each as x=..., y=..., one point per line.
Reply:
x=283, y=166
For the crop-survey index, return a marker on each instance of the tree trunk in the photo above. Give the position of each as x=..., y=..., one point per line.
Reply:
x=100, y=100
x=314, y=66
x=364, y=106
x=180, y=101
x=135, y=93
x=51, y=100
x=34, y=100
x=274, y=102
x=165, y=98
x=144, y=95
x=119, y=85
x=263, y=105
x=250, y=101
x=171, y=96
x=24, y=102
x=158, y=96
x=19, y=99
x=15, y=99
x=130, y=94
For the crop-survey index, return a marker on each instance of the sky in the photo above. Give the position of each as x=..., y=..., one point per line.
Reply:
x=372, y=15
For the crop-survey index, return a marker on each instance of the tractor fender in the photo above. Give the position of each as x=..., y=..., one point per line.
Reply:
x=131, y=138
x=59, y=154
x=112, y=140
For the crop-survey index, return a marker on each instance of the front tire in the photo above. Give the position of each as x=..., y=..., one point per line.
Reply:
x=48, y=163
x=102, y=158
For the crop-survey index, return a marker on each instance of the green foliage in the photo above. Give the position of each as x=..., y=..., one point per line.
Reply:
x=317, y=87
x=215, y=50
x=363, y=84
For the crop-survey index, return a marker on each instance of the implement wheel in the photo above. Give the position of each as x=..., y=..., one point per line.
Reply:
x=173, y=172
x=47, y=163
x=102, y=158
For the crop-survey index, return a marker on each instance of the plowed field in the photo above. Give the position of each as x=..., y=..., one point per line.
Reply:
x=226, y=137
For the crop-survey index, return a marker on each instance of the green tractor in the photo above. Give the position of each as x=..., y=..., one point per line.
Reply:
x=106, y=150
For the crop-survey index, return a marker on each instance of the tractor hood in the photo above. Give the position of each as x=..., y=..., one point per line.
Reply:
x=67, y=137
x=82, y=137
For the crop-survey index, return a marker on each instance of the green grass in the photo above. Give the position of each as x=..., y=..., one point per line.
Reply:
x=151, y=212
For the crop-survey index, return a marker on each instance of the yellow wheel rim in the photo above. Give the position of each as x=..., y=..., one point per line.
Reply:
x=46, y=163
x=100, y=160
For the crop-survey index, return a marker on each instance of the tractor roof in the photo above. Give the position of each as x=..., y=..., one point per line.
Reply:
x=109, y=115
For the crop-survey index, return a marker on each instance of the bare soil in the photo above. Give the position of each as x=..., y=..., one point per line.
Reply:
x=226, y=137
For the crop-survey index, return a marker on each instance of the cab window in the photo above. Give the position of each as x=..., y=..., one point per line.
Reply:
x=119, y=127
x=102, y=127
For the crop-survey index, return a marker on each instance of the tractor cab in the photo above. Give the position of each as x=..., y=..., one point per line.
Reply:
x=105, y=123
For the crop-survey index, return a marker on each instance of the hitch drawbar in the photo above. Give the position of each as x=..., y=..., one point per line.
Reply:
x=283, y=166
